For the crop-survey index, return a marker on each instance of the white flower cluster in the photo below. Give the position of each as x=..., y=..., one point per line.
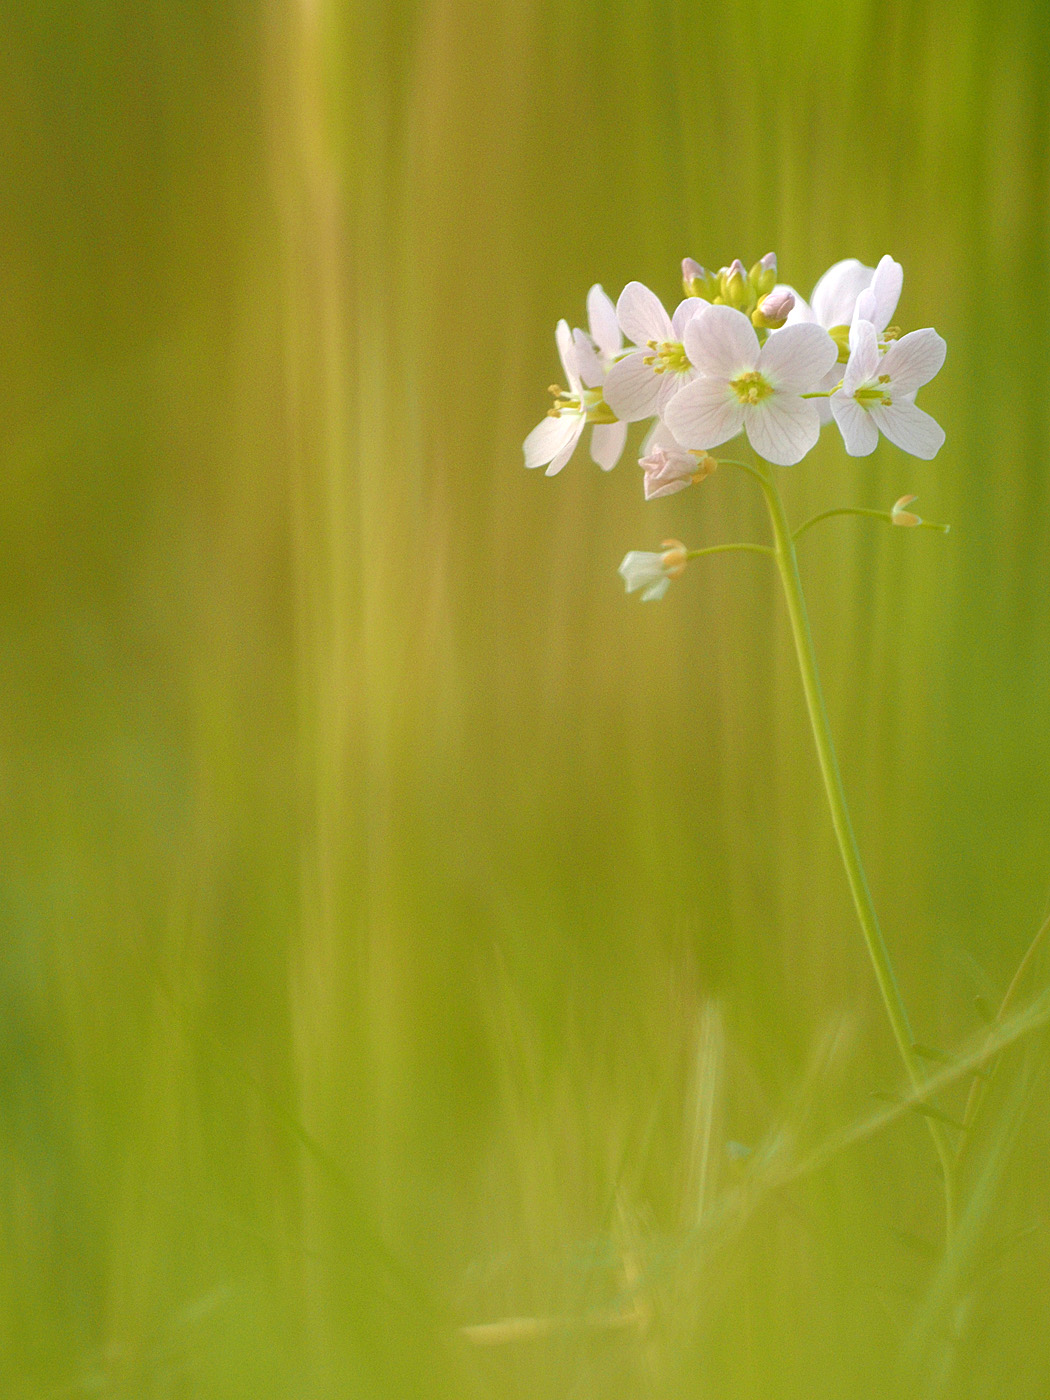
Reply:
x=741, y=353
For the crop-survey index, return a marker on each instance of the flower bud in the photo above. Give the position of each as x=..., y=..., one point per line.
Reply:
x=900, y=516
x=772, y=311
x=672, y=468
x=763, y=276
x=697, y=281
x=736, y=290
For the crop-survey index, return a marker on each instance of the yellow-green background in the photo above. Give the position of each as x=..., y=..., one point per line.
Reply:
x=392, y=909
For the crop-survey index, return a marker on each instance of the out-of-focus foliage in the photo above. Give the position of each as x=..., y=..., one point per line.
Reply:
x=403, y=930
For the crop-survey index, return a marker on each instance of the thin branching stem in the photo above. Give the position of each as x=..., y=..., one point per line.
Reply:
x=885, y=515
x=885, y=975
x=728, y=548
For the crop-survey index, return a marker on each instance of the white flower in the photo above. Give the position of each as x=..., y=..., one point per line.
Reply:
x=644, y=381
x=835, y=296
x=597, y=349
x=601, y=345
x=834, y=302
x=751, y=387
x=554, y=440
x=653, y=572
x=878, y=392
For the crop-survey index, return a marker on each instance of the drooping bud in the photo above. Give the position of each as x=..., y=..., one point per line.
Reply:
x=900, y=516
x=672, y=468
x=651, y=572
x=763, y=276
x=772, y=311
x=736, y=289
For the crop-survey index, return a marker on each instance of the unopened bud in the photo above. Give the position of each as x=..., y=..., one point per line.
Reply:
x=763, y=276
x=772, y=311
x=668, y=468
x=736, y=289
x=697, y=281
x=674, y=559
x=900, y=516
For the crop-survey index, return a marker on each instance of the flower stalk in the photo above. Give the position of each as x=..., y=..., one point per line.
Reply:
x=787, y=563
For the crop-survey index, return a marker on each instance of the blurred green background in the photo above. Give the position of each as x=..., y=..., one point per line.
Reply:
x=404, y=931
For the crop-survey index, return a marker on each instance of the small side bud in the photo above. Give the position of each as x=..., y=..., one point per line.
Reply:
x=697, y=281
x=772, y=311
x=900, y=516
x=763, y=276
x=693, y=276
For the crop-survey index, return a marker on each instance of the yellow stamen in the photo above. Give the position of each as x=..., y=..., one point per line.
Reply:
x=751, y=388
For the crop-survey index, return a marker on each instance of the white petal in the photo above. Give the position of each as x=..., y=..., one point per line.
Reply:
x=885, y=288
x=705, y=413
x=654, y=489
x=631, y=389
x=642, y=316
x=859, y=433
x=913, y=360
x=836, y=293
x=601, y=317
x=567, y=353
x=607, y=442
x=659, y=435
x=908, y=428
x=640, y=567
x=866, y=308
x=656, y=590
x=782, y=428
x=587, y=362
x=569, y=448
x=721, y=342
x=684, y=313
x=669, y=386
x=548, y=438
x=798, y=357
x=863, y=364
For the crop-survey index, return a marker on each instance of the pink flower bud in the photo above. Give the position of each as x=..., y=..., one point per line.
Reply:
x=776, y=306
x=672, y=468
x=691, y=269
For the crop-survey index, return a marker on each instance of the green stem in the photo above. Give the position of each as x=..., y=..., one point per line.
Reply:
x=842, y=510
x=871, y=514
x=728, y=548
x=878, y=952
